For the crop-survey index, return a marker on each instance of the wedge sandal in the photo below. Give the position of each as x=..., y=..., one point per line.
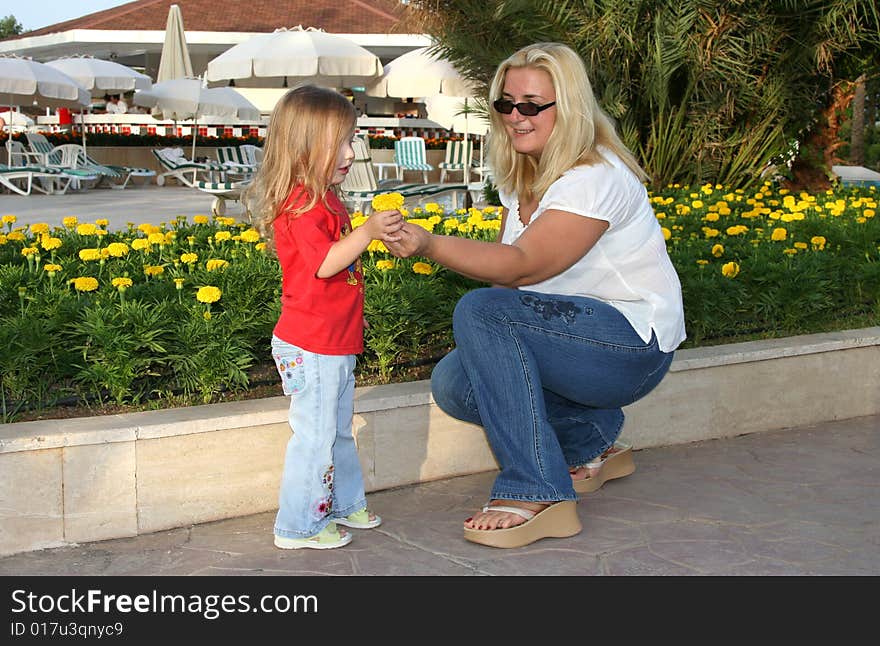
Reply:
x=326, y=539
x=616, y=463
x=559, y=520
x=360, y=520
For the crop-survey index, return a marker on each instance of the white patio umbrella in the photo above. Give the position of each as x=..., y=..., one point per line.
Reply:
x=423, y=73
x=188, y=98
x=290, y=56
x=25, y=81
x=101, y=77
x=175, y=62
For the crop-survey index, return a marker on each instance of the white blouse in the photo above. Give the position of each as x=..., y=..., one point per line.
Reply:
x=628, y=267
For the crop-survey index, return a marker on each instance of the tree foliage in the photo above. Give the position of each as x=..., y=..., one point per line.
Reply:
x=704, y=91
x=9, y=26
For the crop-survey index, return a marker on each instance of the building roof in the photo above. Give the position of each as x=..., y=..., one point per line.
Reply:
x=349, y=17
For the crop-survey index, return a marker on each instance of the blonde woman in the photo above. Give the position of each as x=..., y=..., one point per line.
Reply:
x=308, y=153
x=585, y=308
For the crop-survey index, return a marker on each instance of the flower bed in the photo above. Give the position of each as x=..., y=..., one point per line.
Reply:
x=185, y=311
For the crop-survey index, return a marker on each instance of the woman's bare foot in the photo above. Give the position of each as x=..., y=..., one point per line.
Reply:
x=503, y=519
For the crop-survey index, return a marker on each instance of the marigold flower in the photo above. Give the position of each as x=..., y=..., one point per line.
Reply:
x=89, y=254
x=140, y=244
x=779, y=233
x=251, y=235
x=423, y=268
x=29, y=251
x=818, y=242
x=220, y=236
x=225, y=221
x=718, y=250
x=730, y=269
x=702, y=261
x=85, y=284
x=121, y=283
x=800, y=245
x=70, y=221
x=9, y=219
x=216, y=263
x=50, y=268
x=17, y=236
x=666, y=233
x=710, y=232
x=117, y=249
x=178, y=282
x=154, y=270
x=387, y=201
x=49, y=243
x=102, y=222
x=384, y=265
x=189, y=258
x=260, y=246
x=2, y=238
x=208, y=294
x=156, y=238
x=201, y=219
x=39, y=228
x=86, y=229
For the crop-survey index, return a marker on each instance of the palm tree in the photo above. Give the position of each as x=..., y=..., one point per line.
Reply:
x=703, y=91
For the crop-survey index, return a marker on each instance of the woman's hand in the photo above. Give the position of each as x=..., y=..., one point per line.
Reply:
x=412, y=240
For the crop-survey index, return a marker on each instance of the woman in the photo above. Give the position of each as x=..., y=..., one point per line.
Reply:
x=585, y=310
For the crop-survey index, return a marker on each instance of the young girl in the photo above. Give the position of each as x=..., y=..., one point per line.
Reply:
x=308, y=153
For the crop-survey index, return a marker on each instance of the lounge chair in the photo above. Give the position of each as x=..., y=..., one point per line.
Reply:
x=189, y=173
x=20, y=179
x=458, y=154
x=237, y=161
x=75, y=156
x=223, y=191
x=360, y=185
x=410, y=155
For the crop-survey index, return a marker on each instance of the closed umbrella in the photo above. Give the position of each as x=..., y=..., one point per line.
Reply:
x=174, y=62
x=101, y=77
x=188, y=98
x=25, y=81
x=290, y=56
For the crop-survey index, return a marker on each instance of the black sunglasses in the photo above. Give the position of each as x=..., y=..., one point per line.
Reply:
x=526, y=108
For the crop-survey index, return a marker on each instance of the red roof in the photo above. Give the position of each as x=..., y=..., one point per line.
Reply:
x=348, y=17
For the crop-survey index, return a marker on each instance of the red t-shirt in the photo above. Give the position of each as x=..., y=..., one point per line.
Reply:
x=321, y=315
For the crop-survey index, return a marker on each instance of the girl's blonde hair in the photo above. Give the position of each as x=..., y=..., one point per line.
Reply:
x=305, y=131
x=581, y=125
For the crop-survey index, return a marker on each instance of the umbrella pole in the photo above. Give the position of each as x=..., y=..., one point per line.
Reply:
x=195, y=135
x=467, y=161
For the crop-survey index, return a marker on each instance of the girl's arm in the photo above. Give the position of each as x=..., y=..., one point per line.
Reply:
x=549, y=246
x=383, y=225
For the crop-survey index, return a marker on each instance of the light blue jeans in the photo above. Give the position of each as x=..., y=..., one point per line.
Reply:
x=546, y=376
x=322, y=478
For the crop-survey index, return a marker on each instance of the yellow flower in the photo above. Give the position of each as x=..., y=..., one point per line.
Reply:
x=102, y=222
x=121, y=283
x=800, y=245
x=423, y=268
x=220, y=236
x=189, y=258
x=140, y=244
x=868, y=213
x=70, y=221
x=387, y=202
x=156, y=238
x=86, y=229
x=711, y=233
x=28, y=251
x=712, y=217
x=178, y=282
x=216, y=263
x=147, y=228
x=736, y=230
x=49, y=243
x=730, y=269
x=85, y=284
x=702, y=262
x=226, y=221
x=2, y=239
x=9, y=219
x=208, y=294
x=201, y=219
x=260, y=246
x=39, y=228
x=18, y=236
x=666, y=233
x=251, y=235
x=789, y=252
x=384, y=265
x=206, y=315
x=818, y=242
x=154, y=270
x=697, y=204
x=89, y=254
x=779, y=233
x=433, y=207
x=51, y=269
x=718, y=250
x=117, y=249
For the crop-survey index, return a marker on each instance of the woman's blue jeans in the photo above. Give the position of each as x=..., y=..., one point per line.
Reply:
x=322, y=477
x=546, y=376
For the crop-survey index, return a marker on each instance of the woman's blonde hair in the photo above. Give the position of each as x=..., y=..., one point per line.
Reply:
x=581, y=125
x=305, y=131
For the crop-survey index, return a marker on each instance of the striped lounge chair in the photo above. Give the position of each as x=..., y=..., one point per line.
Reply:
x=410, y=155
x=223, y=191
x=188, y=173
x=458, y=154
x=20, y=179
x=238, y=161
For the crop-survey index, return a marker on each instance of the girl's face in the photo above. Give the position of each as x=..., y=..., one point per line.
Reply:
x=529, y=135
x=344, y=158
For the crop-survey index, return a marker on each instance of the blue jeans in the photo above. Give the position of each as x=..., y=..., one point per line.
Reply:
x=546, y=377
x=322, y=477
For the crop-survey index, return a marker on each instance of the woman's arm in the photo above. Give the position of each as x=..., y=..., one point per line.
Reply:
x=550, y=245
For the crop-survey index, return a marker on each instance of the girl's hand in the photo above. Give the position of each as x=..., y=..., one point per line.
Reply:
x=384, y=225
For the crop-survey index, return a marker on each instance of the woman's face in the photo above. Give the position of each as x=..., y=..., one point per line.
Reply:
x=529, y=134
x=344, y=158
